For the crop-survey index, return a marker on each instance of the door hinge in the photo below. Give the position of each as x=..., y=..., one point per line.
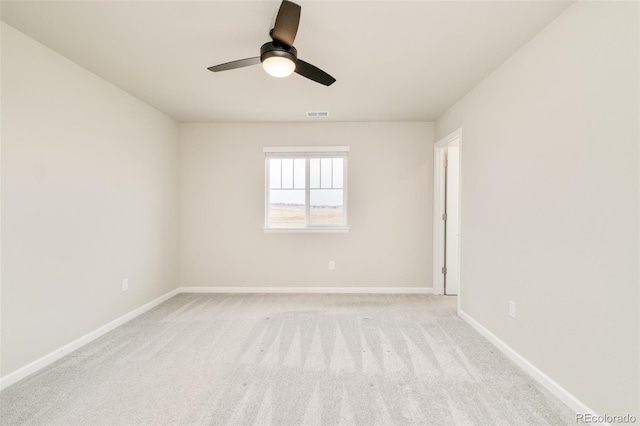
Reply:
x=444, y=270
x=444, y=163
x=444, y=217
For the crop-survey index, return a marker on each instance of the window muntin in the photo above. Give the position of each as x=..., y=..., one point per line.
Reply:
x=306, y=190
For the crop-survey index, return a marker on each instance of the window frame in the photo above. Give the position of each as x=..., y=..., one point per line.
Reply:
x=307, y=152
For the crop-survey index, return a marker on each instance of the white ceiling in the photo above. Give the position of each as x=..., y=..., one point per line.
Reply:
x=393, y=60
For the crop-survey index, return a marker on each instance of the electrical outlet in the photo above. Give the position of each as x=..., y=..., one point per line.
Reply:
x=125, y=284
x=512, y=309
x=332, y=265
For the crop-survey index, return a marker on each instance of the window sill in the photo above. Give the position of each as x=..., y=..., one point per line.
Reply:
x=318, y=230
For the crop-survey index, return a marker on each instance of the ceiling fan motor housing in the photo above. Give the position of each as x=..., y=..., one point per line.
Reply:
x=271, y=49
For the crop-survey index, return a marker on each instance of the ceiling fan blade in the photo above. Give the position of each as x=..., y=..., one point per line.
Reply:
x=235, y=64
x=287, y=21
x=314, y=73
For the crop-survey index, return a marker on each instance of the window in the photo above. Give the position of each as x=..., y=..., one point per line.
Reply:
x=306, y=188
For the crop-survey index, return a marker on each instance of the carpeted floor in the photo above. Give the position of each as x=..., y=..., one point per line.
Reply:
x=286, y=359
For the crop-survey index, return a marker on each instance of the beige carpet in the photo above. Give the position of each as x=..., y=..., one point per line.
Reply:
x=286, y=359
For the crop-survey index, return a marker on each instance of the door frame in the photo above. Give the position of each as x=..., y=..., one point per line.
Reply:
x=438, y=208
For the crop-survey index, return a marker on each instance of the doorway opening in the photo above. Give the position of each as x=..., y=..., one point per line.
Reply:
x=446, y=215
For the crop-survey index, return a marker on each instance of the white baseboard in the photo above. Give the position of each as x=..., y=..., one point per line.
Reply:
x=570, y=400
x=341, y=290
x=40, y=363
x=558, y=391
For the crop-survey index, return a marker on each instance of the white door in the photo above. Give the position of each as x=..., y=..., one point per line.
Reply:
x=452, y=223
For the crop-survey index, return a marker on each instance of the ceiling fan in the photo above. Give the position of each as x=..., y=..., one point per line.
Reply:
x=278, y=57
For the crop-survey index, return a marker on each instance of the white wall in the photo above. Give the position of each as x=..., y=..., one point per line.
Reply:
x=550, y=202
x=89, y=197
x=222, y=202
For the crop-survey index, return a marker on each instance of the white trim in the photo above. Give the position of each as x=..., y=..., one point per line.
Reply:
x=345, y=186
x=438, y=228
x=438, y=208
x=48, y=359
x=456, y=134
x=307, y=149
x=266, y=191
x=312, y=230
x=332, y=290
x=538, y=375
x=307, y=156
x=558, y=391
x=40, y=363
x=565, y=396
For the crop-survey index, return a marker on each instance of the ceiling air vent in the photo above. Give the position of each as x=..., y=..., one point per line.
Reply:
x=317, y=114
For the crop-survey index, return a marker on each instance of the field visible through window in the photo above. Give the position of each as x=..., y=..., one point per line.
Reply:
x=292, y=215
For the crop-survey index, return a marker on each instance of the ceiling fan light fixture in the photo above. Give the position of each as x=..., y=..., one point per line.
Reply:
x=279, y=66
x=278, y=61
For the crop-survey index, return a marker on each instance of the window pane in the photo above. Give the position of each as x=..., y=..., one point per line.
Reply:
x=287, y=173
x=286, y=208
x=299, y=172
x=325, y=173
x=326, y=207
x=314, y=173
x=306, y=190
x=274, y=173
x=338, y=168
